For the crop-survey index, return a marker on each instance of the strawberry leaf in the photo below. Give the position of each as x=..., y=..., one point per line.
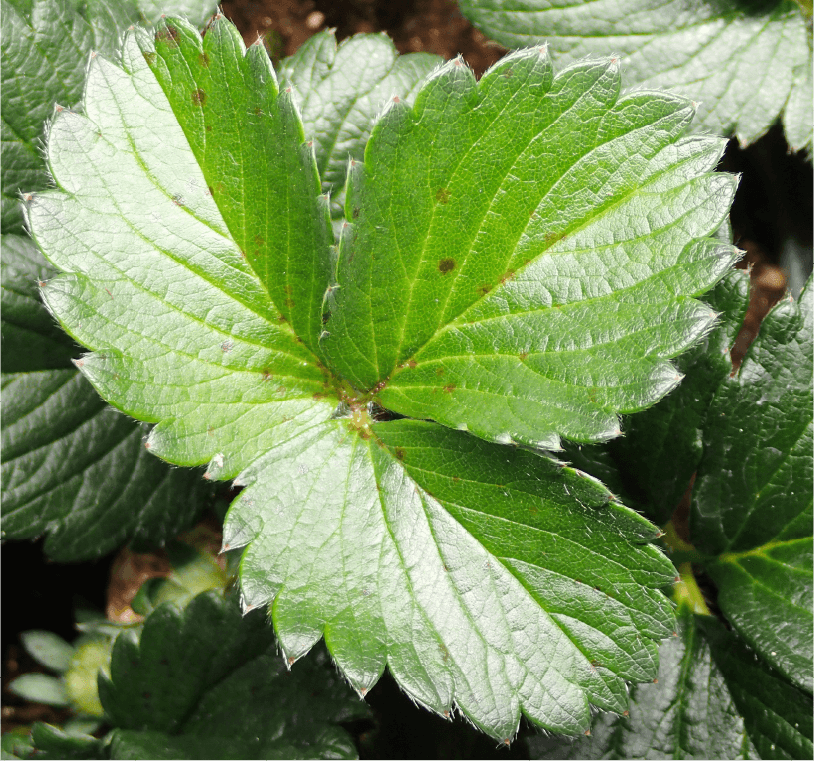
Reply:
x=488, y=287
x=754, y=523
x=747, y=63
x=493, y=580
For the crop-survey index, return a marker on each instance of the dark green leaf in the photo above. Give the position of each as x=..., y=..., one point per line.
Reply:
x=342, y=90
x=746, y=61
x=55, y=743
x=662, y=446
x=713, y=699
x=752, y=500
x=206, y=682
x=489, y=287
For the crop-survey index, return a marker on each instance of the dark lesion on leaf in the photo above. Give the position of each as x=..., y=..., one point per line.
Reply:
x=168, y=34
x=199, y=97
x=399, y=453
x=446, y=265
x=450, y=388
x=551, y=238
x=203, y=60
x=442, y=195
x=484, y=289
x=149, y=57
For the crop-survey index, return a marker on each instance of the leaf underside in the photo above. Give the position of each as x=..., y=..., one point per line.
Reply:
x=490, y=579
x=746, y=63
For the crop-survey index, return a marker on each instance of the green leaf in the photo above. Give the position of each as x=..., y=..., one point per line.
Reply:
x=491, y=578
x=488, y=287
x=197, y=12
x=40, y=688
x=53, y=742
x=488, y=578
x=713, y=699
x=207, y=683
x=342, y=89
x=746, y=62
x=44, y=52
x=76, y=469
x=48, y=649
x=752, y=504
x=663, y=446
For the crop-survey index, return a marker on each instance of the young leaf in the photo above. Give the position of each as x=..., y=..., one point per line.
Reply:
x=71, y=466
x=751, y=509
x=663, y=446
x=48, y=649
x=342, y=89
x=745, y=62
x=44, y=50
x=205, y=682
x=489, y=578
x=488, y=285
x=713, y=699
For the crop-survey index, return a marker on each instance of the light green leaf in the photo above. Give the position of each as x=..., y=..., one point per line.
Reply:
x=487, y=286
x=752, y=503
x=745, y=62
x=40, y=688
x=488, y=578
x=48, y=649
x=204, y=682
x=44, y=52
x=342, y=89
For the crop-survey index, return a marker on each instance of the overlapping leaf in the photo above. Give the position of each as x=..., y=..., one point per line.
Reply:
x=206, y=682
x=752, y=498
x=746, y=62
x=487, y=578
x=713, y=699
x=663, y=446
x=521, y=253
x=342, y=89
x=72, y=467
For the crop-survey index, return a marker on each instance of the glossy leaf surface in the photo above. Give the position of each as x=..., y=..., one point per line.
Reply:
x=206, y=682
x=491, y=580
x=522, y=252
x=343, y=88
x=745, y=62
x=752, y=498
x=713, y=699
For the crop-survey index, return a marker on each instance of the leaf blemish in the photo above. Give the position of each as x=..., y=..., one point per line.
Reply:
x=199, y=97
x=168, y=34
x=203, y=60
x=399, y=453
x=450, y=388
x=446, y=265
x=442, y=195
x=149, y=57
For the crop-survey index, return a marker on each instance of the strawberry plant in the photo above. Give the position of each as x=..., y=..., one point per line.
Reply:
x=409, y=314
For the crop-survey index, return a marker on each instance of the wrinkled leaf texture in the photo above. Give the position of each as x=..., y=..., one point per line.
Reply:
x=488, y=578
x=747, y=62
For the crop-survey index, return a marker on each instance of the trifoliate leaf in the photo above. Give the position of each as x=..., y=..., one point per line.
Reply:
x=44, y=51
x=207, y=683
x=663, y=446
x=487, y=578
x=746, y=63
x=713, y=699
x=751, y=509
x=342, y=89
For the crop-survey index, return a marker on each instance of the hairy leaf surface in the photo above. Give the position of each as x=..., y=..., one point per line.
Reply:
x=713, y=699
x=752, y=503
x=746, y=62
x=72, y=467
x=491, y=580
x=521, y=252
x=205, y=682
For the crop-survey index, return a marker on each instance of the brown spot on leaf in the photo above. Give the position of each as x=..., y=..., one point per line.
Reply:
x=484, y=289
x=411, y=363
x=149, y=57
x=508, y=276
x=439, y=371
x=446, y=265
x=267, y=376
x=552, y=237
x=259, y=240
x=168, y=34
x=442, y=195
x=400, y=453
x=355, y=214
x=450, y=388
x=523, y=356
x=199, y=97
x=203, y=59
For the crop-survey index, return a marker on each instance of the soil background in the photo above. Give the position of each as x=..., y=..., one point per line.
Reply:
x=772, y=208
